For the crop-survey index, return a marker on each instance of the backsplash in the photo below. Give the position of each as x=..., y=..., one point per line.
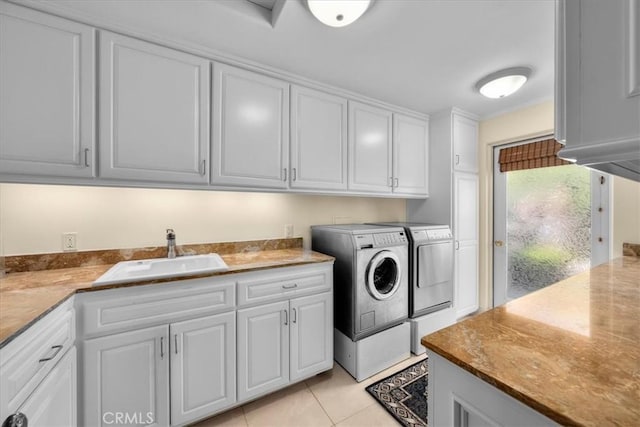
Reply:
x=52, y=261
x=34, y=217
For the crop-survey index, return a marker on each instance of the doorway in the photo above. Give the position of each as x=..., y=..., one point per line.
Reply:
x=550, y=222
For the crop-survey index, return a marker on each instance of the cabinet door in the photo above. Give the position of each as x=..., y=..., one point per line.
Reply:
x=127, y=373
x=251, y=129
x=54, y=401
x=47, y=90
x=318, y=140
x=311, y=335
x=263, y=349
x=410, y=155
x=369, y=148
x=203, y=366
x=465, y=144
x=466, y=278
x=154, y=112
x=465, y=230
x=465, y=223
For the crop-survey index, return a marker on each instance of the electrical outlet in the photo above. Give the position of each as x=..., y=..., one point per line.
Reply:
x=288, y=231
x=69, y=242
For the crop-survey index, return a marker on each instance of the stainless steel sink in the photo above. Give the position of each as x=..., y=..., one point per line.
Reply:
x=159, y=268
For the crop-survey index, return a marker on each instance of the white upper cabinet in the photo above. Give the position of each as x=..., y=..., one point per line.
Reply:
x=250, y=129
x=47, y=95
x=598, y=84
x=318, y=140
x=370, y=151
x=465, y=144
x=154, y=112
x=410, y=155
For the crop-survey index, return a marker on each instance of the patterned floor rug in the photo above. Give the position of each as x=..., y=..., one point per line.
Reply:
x=404, y=394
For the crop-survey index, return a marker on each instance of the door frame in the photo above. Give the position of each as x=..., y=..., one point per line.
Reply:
x=601, y=206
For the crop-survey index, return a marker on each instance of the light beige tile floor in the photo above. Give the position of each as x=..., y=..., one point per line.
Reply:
x=332, y=398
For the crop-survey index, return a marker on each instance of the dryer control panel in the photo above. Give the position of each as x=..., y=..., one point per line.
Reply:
x=431, y=234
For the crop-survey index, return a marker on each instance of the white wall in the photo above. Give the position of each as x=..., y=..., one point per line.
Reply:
x=523, y=124
x=33, y=217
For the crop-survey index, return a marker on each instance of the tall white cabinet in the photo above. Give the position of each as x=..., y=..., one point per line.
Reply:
x=154, y=112
x=453, y=165
x=47, y=95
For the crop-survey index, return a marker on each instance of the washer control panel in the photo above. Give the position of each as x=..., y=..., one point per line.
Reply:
x=390, y=239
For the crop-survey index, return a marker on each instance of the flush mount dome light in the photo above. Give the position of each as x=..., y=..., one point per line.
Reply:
x=338, y=13
x=504, y=82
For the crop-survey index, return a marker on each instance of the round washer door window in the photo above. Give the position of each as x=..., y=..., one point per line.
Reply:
x=383, y=275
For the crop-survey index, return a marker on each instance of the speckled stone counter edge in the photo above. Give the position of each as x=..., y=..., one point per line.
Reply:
x=57, y=260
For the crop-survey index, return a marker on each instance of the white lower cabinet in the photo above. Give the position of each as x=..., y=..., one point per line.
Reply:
x=203, y=366
x=263, y=349
x=53, y=403
x=130, y=374
x=202, y=357
x=127, y=375
x=311, y=335
x=283, y=342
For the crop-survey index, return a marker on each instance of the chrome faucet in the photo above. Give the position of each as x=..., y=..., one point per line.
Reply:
x=171, y=243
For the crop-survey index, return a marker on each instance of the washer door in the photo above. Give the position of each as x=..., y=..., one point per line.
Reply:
x=383, y=275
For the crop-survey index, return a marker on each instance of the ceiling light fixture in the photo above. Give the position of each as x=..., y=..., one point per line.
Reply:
x=338, y=13
x=504, y=82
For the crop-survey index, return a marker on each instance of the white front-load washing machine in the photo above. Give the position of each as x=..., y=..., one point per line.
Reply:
x=371, y=294
x=370, y=276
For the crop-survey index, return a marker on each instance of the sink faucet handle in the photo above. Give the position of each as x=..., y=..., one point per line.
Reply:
x=170, y=233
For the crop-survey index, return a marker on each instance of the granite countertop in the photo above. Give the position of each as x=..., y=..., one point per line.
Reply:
x=27, y=296
x=570, y=351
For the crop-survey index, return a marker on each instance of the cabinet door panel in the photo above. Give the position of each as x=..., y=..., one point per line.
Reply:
x=251, y=129
x=47, y=89
x=466, y=278
x=410, y=155
x=54, y=402
x=203, y=366
x=318, y=140
x=465, y=144
x=127, y=373
x=263, y=349
x=154, y=105
x=369, y=148
x=311, y=335
x=465, y=225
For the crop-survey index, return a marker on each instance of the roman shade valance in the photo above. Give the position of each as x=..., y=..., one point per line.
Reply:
x=539, y=154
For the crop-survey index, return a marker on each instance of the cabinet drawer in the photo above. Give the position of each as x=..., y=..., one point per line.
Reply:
x=27, y=360
x=260, y=287
x=118, y=310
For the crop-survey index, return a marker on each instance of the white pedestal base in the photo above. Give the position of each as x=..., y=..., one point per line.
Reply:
x=368, y=356
x=427, y=324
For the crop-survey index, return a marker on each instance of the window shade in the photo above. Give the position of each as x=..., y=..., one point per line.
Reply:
x=539, y=154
